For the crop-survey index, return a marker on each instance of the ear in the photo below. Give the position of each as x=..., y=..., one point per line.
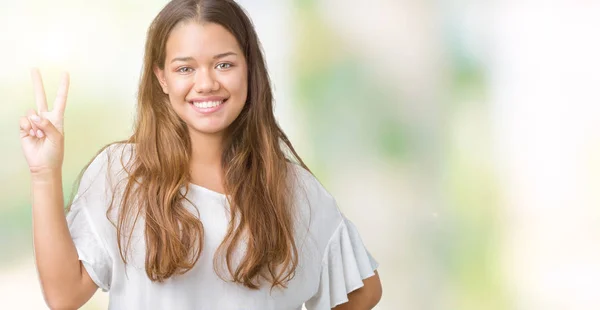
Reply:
x=160, y=75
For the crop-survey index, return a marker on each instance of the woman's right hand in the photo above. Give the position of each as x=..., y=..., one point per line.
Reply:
x=42, y=133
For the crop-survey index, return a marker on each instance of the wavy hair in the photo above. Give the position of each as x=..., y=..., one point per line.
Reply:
x=255, y=160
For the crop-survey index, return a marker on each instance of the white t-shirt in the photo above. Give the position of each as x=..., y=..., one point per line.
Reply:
x=332, y=258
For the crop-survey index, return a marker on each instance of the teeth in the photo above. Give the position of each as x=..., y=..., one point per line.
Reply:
x=207, y=104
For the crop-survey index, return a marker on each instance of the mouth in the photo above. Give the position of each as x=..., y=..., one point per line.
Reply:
x=206, y=107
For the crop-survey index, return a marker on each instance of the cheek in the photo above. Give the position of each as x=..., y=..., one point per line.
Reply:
x=238, y=86
x=179, y=87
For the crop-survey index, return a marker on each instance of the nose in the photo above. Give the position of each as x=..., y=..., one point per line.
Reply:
x=205, y=82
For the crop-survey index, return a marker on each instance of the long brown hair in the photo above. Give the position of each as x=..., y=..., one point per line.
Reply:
x=255, y=160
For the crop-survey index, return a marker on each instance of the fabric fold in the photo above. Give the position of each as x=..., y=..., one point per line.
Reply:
x=345, y=265
x=90, y=249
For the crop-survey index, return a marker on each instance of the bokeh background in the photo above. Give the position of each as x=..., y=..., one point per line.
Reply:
x=462, y=137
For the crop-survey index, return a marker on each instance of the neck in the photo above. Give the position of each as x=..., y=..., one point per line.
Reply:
x=207, y=149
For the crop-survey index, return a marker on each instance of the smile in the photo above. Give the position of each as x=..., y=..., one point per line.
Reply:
x=207, y=104
x=207, y=107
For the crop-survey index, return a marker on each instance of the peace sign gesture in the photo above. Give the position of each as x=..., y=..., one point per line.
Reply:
x=42, y=133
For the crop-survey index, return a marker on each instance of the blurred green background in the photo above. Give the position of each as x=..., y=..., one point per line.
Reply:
x=461, y=137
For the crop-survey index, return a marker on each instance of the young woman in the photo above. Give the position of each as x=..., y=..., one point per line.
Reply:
x=206, y=205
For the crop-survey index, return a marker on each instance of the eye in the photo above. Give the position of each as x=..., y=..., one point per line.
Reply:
x=184, y=70
x=224, y=65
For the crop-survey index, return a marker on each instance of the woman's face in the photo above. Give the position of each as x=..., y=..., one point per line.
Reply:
x=205, y=76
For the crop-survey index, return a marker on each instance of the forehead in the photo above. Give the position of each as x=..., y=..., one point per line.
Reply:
x=190, y=38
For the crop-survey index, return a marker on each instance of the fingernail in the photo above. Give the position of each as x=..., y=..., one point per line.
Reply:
x=40, y=133
x=36, y=119
x=31, y=133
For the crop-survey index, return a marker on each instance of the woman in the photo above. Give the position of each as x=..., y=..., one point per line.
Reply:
x=207, y=205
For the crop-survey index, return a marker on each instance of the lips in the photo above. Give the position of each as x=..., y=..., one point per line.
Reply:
x=207, y=105
x=206, y=99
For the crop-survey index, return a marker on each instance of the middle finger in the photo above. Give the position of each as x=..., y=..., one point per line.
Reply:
x=40, y=93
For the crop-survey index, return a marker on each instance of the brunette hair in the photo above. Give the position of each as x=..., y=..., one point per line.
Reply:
x=255, y=159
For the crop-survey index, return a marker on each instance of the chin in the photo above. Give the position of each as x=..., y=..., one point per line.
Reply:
x=206, y=130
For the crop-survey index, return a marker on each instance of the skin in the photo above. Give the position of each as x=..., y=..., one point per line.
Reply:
x=65, y=283
x=203, y=60
x=200, y=72
x=193, y=69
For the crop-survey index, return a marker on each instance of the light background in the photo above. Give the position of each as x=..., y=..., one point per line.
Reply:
x=462, y=137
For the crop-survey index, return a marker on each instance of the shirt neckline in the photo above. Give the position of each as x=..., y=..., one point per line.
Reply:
x=206, y=190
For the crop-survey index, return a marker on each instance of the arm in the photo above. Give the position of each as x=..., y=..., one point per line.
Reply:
x=364, y=298
x=65, y=283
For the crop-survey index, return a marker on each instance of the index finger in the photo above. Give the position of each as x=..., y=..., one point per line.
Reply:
x=61, y=95
x=38, y=88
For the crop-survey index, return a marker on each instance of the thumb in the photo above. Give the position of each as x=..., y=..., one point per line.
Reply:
x=47, y=128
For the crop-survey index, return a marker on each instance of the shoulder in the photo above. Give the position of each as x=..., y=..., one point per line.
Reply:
x=315, y=204
x=306, y=184
x=117, y=156
x=108, y=167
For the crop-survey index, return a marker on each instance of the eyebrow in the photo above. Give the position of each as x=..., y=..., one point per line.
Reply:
x=218, y=56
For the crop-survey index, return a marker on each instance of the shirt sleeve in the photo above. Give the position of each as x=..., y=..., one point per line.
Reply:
x=346, y=263
x=85, y=222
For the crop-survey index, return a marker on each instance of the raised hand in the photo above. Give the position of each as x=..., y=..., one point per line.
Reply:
x=42, y=132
